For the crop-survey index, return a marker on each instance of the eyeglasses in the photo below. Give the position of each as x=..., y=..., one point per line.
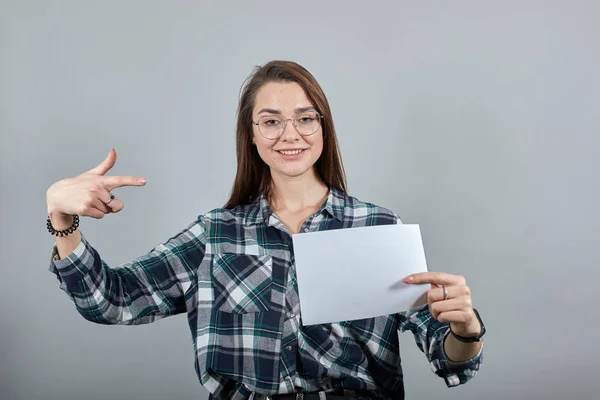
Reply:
x=272, y=126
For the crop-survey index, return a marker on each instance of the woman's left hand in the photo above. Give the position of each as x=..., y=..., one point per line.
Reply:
x=457, y=308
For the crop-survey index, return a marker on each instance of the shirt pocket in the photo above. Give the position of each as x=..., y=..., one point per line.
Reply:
x=243, y=283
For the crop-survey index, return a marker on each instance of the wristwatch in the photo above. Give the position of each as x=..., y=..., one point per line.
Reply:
x=471, y=339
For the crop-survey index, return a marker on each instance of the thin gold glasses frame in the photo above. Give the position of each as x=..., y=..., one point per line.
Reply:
x=285, y=121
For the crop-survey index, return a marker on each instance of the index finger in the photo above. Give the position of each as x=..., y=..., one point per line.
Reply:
x=436, y=278
x=111, y=182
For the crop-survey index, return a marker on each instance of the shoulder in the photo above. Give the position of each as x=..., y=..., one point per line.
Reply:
x=373, y=214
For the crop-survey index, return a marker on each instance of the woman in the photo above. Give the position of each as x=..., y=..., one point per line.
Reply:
x=232, y=270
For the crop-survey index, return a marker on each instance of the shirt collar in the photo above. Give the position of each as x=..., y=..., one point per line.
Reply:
x=334, y=205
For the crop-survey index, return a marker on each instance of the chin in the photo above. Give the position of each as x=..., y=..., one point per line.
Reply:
x=293, y=172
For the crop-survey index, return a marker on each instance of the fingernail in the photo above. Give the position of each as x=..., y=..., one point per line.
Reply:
x=142, y=180
x=409, y=278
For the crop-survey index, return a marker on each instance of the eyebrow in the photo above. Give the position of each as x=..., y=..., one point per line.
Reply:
x=297, y=110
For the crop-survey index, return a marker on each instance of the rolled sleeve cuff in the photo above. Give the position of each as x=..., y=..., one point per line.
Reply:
x=75, y=266
x=454, y=373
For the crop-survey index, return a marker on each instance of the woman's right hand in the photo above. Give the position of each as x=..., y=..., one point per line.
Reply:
x=88, y=194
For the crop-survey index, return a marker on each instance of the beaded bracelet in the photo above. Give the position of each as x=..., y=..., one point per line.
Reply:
x=64, y=232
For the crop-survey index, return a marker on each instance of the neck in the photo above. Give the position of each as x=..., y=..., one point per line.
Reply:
x=295, y=194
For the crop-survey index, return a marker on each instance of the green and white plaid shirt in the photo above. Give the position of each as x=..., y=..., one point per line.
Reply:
x=233, y=273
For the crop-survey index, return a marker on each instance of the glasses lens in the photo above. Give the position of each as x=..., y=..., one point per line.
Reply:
x=308, y=123
x=270, y=127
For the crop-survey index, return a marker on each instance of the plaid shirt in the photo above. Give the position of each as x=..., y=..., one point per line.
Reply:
x=233, y=273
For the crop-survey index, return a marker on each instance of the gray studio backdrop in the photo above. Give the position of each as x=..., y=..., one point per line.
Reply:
x=477, y=120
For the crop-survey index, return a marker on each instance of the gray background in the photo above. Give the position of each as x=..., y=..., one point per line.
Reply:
x=477, y=120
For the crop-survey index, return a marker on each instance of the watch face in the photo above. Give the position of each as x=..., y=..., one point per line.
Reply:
x=482, y=331
x=479, y=318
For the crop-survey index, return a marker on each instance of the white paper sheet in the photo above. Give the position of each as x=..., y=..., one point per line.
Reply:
x=356, y=273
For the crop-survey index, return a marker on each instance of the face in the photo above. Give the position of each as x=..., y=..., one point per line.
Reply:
x=291, y=155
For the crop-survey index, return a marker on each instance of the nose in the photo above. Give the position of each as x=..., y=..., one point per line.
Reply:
x=289, y=132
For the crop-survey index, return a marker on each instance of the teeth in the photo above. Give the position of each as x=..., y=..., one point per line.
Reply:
x=290, y=152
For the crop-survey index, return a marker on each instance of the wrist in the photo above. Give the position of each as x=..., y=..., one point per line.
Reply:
x=59, y=220
x=472, y=329
x=471, y=332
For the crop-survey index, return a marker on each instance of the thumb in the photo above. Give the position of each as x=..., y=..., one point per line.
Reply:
x=105, y=165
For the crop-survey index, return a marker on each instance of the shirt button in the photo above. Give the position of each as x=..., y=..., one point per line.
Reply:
x=289, y=348
x=291, y=315
x=306, y=230
x=289, y=378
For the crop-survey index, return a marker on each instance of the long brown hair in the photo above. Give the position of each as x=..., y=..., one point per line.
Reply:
x=253, y=177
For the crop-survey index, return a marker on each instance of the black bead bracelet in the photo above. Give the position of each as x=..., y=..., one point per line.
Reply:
x=64, y=232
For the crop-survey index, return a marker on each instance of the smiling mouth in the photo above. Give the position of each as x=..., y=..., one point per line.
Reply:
x=290, y=152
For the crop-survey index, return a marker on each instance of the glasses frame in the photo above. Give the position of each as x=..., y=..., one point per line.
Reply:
x=285, y=121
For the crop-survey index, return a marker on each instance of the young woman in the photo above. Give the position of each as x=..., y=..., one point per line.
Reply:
x=232, y=269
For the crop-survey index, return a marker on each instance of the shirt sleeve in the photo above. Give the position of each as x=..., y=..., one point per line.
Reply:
x=429, y=335
x=146, y=289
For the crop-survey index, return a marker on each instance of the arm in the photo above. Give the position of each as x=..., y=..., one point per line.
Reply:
x=430, y=336
x=451, y=359
x=151, y=287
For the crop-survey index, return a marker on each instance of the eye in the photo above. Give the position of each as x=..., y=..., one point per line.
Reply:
x=271, y=122
x=307, y=118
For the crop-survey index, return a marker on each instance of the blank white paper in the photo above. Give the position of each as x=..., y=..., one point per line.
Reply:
x=356, y=273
